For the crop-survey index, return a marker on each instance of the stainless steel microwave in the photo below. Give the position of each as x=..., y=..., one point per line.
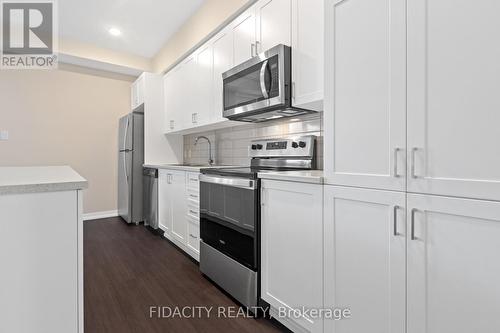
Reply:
x=260, y=89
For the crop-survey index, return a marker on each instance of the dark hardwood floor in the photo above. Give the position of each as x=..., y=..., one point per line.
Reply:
x=128, y=269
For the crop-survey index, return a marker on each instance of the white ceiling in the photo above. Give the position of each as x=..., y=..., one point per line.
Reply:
x=145, y=24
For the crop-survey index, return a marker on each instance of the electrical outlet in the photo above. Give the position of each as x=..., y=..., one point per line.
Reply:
x=4, y=135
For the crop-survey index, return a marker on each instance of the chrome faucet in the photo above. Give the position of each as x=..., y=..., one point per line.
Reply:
x=210, y=159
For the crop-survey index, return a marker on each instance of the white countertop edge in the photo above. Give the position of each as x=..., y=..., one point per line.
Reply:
x=188, y=167
x=40, y=179
x=48, y=187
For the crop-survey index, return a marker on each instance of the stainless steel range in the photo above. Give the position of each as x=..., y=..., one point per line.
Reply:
x=230, y=214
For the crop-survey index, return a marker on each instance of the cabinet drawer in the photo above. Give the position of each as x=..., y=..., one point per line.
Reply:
x=192, y=181
x=194, y=236
x=193, y=209
x=193, y=219
x=193, y=195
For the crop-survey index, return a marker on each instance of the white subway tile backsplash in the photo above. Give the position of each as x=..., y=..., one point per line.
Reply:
x=231, y=144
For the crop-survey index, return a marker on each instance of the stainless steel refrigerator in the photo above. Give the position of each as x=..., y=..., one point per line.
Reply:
x=130, y=165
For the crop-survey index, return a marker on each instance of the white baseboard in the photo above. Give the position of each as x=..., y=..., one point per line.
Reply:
x=100, y=215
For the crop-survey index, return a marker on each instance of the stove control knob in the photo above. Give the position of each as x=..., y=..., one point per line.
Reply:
x=254, y=147
x=295, y=144
x=259, y=147
x=302, y=144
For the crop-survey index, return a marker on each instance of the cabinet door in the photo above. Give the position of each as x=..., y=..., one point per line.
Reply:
x=179, y=205
x=307, y=54
x=187, y=93
x=169, y=101
x=133, y=95
x=292, y=248
x=453, y=99
x=453, y=266
x=365, y=103
x=365, y=259
x=173, y=90
x=140, y=90
x=274, y=23
x=222, y=61
x=164, y=203
x=243, y=29
x=202, y=78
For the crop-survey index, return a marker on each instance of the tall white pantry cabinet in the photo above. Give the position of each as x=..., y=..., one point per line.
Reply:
x=412, y=165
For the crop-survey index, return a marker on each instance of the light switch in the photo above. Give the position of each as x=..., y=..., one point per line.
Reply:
x=4, y=135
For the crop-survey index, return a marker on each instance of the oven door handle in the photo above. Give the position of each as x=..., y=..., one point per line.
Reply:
x=249, y=184
x=263, y=87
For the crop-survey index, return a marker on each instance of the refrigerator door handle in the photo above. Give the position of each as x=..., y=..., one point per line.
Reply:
x=125, y=166
x=125, y=135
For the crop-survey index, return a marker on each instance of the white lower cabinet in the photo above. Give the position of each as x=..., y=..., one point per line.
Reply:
x=177, y=194
x=292, y=251
x=165, y=202
x=41, y=256
x=178, y=205
x=449, y=247
x=453, y=265
x=365, y=259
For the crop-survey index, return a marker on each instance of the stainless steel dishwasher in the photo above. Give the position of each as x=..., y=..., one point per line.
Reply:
x=151, y=197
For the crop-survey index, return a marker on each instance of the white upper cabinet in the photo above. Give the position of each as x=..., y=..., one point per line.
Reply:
x=453, y=266
x=365, y=249
x=243, y=29
x=365, y=98
x=137, y=92
x=274, y=23
x=296, y=23
x=222, y=46
x=307, y=54
x=453, y=98
x=188, y=91
x=172, y=99
x=202, y=79
x=261, y=27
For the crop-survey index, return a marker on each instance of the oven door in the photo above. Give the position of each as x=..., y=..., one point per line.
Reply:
x=229, y=215
x=258, y=84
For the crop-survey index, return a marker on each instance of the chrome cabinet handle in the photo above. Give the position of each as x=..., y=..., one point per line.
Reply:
x=171, y=124
x=193, y=236
x=193, y=196
x=193, y=212
x=396, y=151
x=293, y=90
x=257, y=48
x=412, y=224
x=395, y=220
x=252, y=49
x=412, y=173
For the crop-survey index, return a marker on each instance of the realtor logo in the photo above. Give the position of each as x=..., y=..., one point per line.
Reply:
x=28, y=34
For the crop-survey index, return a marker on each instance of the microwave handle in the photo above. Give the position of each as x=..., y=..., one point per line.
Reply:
x=263, y=87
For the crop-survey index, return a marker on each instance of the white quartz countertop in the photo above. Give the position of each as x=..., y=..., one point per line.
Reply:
x=40, y=179
x=192, y=168
x=310, y=176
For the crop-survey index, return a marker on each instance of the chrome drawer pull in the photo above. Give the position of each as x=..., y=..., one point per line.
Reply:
x=396, y=150
x=413, y=211
x=395, y=220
